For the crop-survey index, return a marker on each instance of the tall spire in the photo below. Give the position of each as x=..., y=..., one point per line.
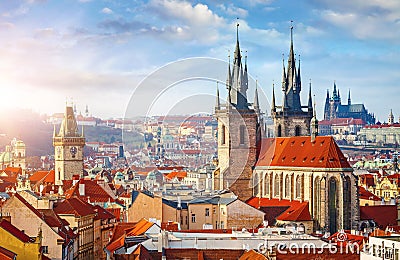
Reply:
x=298, y=77
x=217, y=103
x=314, y=124
x=349, y=99
x=310, y=107
x=284, y=88
x=229, y=76
x=256, y=103
x=273, y=107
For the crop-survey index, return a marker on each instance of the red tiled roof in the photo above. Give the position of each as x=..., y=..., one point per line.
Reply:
x=141, y=253
x=6, y=254
x=346, y=238
x=383, y=215
x=252, y=255
x=103, y=213
x=13, y=171
x=300, y=151
x=286, y=210
x=93, y=191
x=366, y=194
x=43, y=176
x=10, y=228
x=74, y=206
x=296, y=213
x=175, y=174
x=140, y=228
x=116, y=212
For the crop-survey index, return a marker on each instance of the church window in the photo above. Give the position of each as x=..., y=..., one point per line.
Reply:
x=297, y=131
x=266, y=184
x=242, y=132
x=276, y=185
x=279, y=134
x=223, y=134
x=298, y=187
x=287, y=186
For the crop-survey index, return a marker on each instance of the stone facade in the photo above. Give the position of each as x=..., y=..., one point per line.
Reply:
x=323, y=178
x=68, y=149
x=239, y=130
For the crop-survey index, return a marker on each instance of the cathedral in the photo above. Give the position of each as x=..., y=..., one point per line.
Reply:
x=68, y=148
x=335, y=109
x=296, y=166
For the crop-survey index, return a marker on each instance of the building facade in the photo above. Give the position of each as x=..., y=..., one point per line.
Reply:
x=68, y=148
x=239, y=131
x=299, y=169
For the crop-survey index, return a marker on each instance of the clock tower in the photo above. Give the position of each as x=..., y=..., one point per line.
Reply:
x=68, y=148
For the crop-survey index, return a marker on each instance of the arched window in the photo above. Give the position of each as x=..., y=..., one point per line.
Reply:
x=347, y=202
x=297, y=131
x=256, y=183
x=223, y=134
x=317, y=202
x=287, y=186
x=298, y=187
x=266, y=184
x=279, y=134
x=276, y=185
x=242, y=133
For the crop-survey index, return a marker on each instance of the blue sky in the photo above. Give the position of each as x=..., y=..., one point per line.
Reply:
x=97, y=52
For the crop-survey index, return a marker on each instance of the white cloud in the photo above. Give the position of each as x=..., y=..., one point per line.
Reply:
x=233, y=10
x=364, y=19
x=106, y=10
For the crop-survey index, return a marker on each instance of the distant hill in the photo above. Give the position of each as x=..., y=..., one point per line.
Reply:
x=37, y=135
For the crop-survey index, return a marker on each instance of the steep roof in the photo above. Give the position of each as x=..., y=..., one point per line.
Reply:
x=6, y=254
x=10, y=228
x=93, y=191
x=366, y=194
x=252, y=255
x=300, y=151
x=383, y=215
x=74, y=206
x=42, y=176
x=284, y=210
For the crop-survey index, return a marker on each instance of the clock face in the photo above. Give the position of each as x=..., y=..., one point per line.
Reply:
x=73, y=151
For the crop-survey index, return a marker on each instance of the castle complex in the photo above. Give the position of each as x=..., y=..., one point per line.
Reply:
x=296, y=166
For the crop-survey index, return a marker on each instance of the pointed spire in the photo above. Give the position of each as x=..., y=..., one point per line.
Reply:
x=334, y=89
x=283, y=74
x=256, y=103
x=299, y=77
x=217, y=103
x=327, y=94
x=237, y=56
x=310, y=107
x=314, y=124
x=83, y=132
x=273, y=107
x=349, y=99
x=229, y=76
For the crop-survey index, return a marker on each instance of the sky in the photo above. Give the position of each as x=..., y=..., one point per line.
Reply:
x=101, y=53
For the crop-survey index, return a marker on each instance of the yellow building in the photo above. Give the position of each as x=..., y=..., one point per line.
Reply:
x=16, y=241
x=386, y=188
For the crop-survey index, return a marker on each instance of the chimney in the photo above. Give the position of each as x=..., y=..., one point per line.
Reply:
x=81, y=187
x=75, y=179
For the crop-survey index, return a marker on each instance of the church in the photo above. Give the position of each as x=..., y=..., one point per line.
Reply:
x=335, y=109
x=296, y=167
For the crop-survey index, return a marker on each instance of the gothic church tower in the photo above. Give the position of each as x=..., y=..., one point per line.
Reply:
x=290, y=119
x=239, y=131
x=68, y=148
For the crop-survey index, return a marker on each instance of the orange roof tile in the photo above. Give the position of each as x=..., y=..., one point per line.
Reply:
x=366, y=194
x=93, y=191
x=140, y=228
x=252, y=255
x=42, y=176
x=296, y=213
x=74, y=206
x=300, y=151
